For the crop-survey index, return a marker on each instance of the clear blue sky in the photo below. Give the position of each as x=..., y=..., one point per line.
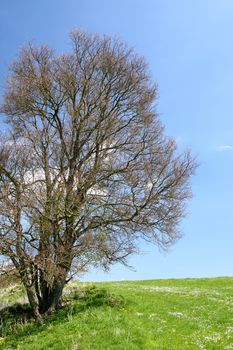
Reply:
x=189, y=47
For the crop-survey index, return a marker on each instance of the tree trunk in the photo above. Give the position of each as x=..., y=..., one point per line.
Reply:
x=33, y=300
x=45, y=298
x=51, y=298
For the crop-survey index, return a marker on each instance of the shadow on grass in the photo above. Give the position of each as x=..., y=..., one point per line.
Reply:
x=15, y=313
x=13, y=318
x=16, y=321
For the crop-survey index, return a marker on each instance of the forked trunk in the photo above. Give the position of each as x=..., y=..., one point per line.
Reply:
x=50, y=300
x=47, y=283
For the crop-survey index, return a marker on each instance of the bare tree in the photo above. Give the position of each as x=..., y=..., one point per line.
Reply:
x=85, y=168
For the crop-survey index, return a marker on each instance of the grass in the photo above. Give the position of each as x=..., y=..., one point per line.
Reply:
x=187, y=314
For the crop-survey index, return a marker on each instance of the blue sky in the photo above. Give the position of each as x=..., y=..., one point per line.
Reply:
x=188, y=45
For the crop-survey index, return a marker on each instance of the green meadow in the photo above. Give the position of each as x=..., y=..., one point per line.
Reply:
x=177, y=314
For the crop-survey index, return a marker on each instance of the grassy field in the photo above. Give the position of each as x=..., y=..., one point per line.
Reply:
x=128, y=315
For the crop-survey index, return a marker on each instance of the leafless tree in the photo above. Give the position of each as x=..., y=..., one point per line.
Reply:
x=85, y=168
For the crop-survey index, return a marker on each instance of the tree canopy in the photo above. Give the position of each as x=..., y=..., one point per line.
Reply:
x=85, y=167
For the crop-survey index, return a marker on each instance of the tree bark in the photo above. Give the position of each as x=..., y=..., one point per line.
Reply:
x=32, y=298
x=44, y=297
x=51, y=298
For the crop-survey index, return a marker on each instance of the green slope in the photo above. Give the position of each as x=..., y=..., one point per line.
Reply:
x=162, y=314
